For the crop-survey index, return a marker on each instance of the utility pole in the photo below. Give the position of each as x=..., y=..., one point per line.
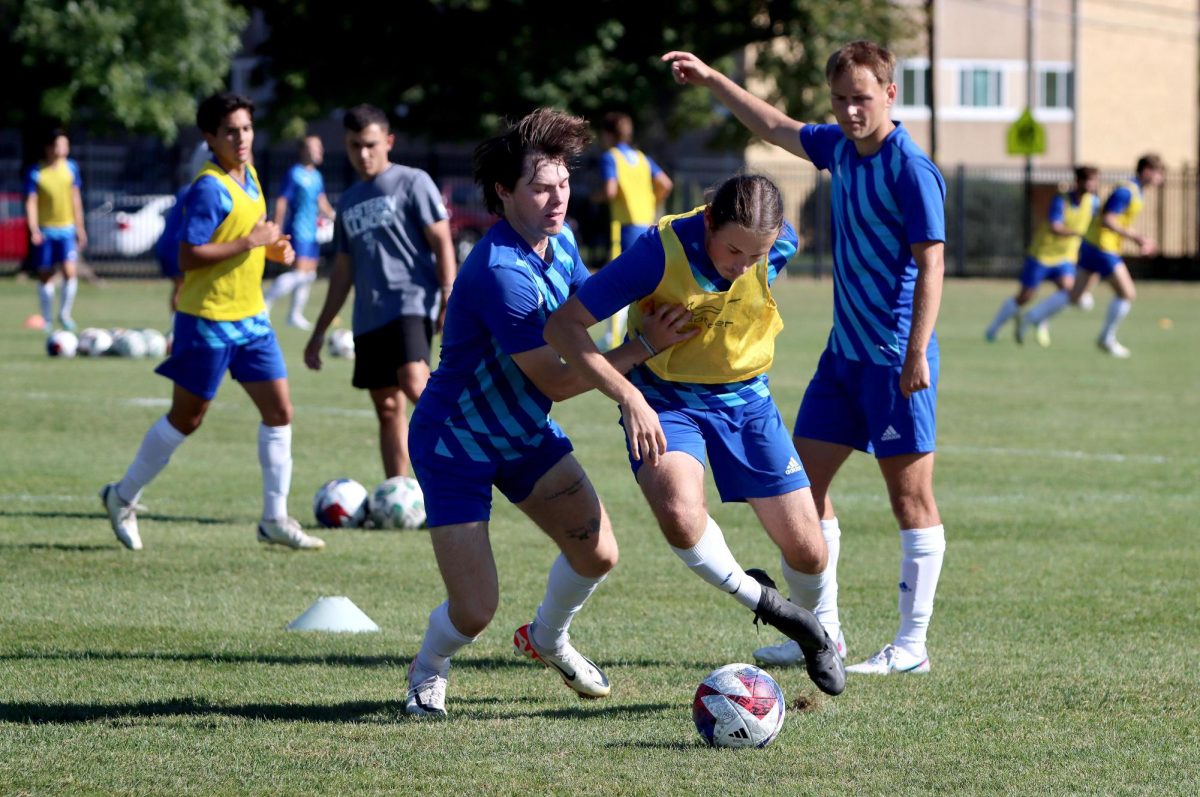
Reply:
x=931, y=78
x=1030, y=102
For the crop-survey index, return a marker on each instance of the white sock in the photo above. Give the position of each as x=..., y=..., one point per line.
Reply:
x=70, y=286
x=155, y=452
x=712, y=560
x=442, y=640
x=1006, y=311
x=920, y=566
x=275, y=458
x=1047, y=307
x=46, y=302
x=1118, y=308
x=818, y=592
x=304, y=281
x=566, y=592
x=282, y=284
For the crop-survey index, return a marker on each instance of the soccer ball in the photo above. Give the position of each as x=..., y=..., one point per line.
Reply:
x=94, y=342
x=738, y=705
x=341, y=344
x=397, y=504
x=62, y=344
x=156, y=343
x=128, y=343
x=340, y=504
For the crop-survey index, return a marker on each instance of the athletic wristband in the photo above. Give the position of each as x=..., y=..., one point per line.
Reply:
x=642, y=340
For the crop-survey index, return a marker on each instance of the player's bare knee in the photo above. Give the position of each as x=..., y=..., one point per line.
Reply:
x=277, y=416
x=915, y=511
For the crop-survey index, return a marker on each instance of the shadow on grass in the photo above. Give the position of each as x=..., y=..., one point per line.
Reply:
x=330, y=659
x=657, y=745
x=365, y=712
x=99, y=515
x=58, y=546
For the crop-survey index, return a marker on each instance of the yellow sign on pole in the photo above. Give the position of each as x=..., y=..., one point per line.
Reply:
x=1026, y=136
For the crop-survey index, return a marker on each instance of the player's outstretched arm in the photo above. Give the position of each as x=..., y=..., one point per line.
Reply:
x=760, y=117
x=341, y=280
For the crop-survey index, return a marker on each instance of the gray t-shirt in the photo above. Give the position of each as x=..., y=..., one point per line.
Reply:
x=381, y=224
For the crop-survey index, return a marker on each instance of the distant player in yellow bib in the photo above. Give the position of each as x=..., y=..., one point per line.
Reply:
x=1100, y=255
x=221, y=325
x=1054, y=250
x=634, y=186
x=706, y=400
x=54, y=213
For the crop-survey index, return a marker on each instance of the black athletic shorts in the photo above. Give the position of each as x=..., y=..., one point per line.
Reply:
x=381, y=353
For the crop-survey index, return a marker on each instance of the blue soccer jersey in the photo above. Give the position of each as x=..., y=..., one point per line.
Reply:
x=301, y=187
x=882, y=205
x=484, y=407
x=636, y=273
x=206, y=205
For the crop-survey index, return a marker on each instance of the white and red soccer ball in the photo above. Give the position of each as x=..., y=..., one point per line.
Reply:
x=738, y=705
x=340, y=504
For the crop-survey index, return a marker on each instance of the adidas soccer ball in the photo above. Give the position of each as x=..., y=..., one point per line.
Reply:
x=340, y=504
x=156, y=342
x=94, y=342
x=62, y=344
x=341, y=344
x=738, y=705
x=128, y=343
x=397, y=504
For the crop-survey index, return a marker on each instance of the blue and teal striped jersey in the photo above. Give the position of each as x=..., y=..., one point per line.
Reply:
x=301, y=187
x=219, y=334
x=487, y=410
x=882, y=205
x=636, y=273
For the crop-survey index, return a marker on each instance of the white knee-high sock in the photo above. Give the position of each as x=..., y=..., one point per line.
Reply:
x=818, y=592
x=566, y=592
x=442, y=640
x=155, y=452
x=1047, y=307
x=1006, y=311
x=1118, y=308
x=712, y=560
x=304, y=282
x=920, y=565
x=45, y=292
x=70, y=287
x=282, y=284
x=275, y=458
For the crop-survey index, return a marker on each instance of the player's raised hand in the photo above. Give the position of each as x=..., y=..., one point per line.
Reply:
x=667, y=324
x=643, y=430
x=687, y=68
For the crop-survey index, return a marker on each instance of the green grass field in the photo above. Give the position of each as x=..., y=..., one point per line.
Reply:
x=1064, y=642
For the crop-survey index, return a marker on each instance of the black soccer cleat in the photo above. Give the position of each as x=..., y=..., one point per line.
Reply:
x=821, y=659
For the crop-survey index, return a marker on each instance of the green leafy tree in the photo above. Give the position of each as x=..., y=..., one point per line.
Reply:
x=451, y=68
x=132, y=64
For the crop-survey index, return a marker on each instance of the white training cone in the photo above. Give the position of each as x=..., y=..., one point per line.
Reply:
x=335, y=613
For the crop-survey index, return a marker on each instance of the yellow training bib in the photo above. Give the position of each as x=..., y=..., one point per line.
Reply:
x=737, y=327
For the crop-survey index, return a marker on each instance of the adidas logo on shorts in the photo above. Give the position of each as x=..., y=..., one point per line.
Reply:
x=793, y=467
x=889, y=434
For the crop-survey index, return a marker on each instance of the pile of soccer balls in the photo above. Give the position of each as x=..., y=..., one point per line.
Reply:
x=395, y=504
x=94, y=342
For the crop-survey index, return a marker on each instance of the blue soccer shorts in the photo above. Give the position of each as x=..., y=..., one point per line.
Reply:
x=860, y=405
x=456, y=475
x=204, y=350
x=1035, y=272
x=310, y=250
x=57, y=246
x=1097, y=260
x=748, y=446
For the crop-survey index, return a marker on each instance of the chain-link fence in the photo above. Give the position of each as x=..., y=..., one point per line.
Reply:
x=128, y=187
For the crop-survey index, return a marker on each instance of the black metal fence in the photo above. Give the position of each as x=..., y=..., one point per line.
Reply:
x=129, y=186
